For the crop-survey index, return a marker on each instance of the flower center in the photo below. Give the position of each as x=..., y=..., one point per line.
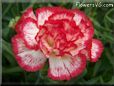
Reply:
x=58, y=38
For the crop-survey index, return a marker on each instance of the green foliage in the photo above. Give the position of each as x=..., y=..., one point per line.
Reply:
x=101, y=72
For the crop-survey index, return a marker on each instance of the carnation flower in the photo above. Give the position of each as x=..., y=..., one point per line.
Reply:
x=60, y=36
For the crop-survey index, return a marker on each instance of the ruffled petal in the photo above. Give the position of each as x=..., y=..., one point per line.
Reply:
x=86, y=28
x=93, y=51
x=87, y=51
x=44, y=13
x=79, y=16
x=28, y=13
x=29, y=31
x=84, y=24
x=96, y=50
x=65, y=14
x=66, y=67
x=28, y=59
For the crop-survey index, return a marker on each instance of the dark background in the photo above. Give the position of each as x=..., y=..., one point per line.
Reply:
x=101, y=72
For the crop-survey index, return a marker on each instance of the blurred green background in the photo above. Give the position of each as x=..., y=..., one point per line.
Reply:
x=101, y=72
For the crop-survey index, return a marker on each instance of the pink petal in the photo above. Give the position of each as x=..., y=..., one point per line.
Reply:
x=79, y=16
x=44, y=13
x=29, y=31
x=87, y=51
x=28, y=59
x=65, y=14
x=84, y=24
x=28, y=13
x=93, y=51
x=80, y=45
x=88, y=31
x=96, y=50
x=66, y=67
x=86, y=28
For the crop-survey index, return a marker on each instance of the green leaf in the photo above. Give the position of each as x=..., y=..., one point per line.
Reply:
x=92, y=81
x=111, y=11
x=111, y=81
x=13, y=22
x=82, y=75
x=101, y=80
x=8, y=52
x=7, y=47
x=110, y=57
x=11, y=70
x=96, y=67
x=7, y=9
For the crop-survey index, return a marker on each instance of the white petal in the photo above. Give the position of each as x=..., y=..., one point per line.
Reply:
x=28, y=59
x=30, y=31
x=66, y=67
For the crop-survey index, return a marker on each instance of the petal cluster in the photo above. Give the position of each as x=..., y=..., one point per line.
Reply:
x=61, y=36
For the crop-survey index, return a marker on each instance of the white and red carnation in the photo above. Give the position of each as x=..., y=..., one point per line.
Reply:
x=63, y=37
